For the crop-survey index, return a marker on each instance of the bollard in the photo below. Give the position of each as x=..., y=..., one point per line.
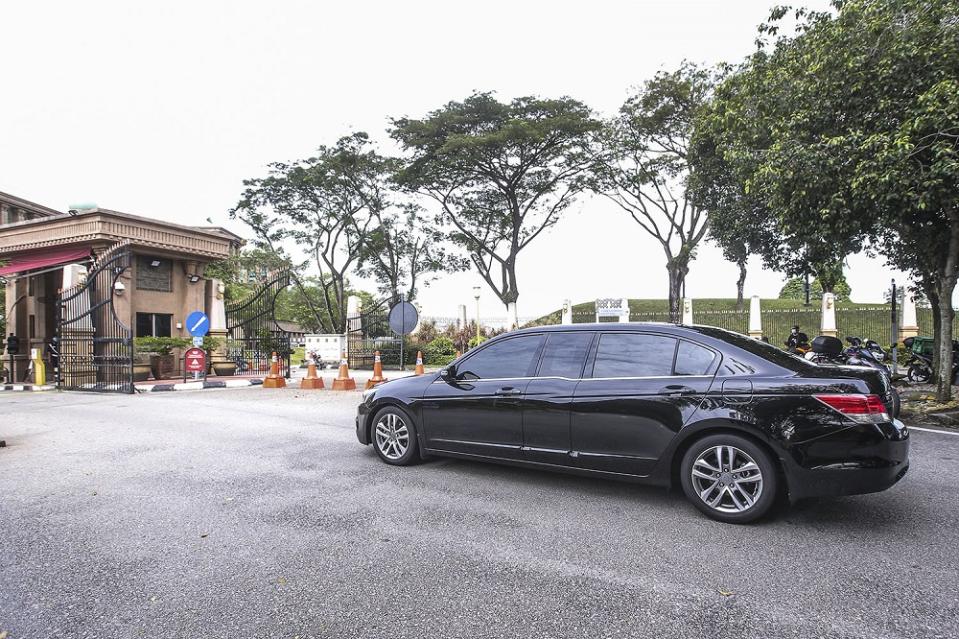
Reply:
x=39, y=368
x=312, y=381
x=273, y=380
x=419, y=363
x=343, y=380
x=377, y=372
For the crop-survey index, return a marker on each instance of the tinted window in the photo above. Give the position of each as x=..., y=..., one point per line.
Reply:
x=692, y=359
x=634, y=355
x=565, y=354
x=758, y=348
x=507, y=358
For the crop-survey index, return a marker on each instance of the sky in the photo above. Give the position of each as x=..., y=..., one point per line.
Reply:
x=163, y=109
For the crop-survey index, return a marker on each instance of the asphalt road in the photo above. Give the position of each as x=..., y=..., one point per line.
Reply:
x=255, y=513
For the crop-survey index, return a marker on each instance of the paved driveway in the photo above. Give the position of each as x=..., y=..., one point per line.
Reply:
x=255, y=513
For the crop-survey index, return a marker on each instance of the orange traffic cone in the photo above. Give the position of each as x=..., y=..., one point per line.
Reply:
x=377, y=372
x=312, y=381
x=343, y=380
x=273, y=380
x=459, y=354
x=419, y=363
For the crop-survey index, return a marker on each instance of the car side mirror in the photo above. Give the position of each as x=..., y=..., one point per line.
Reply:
x=448, y=373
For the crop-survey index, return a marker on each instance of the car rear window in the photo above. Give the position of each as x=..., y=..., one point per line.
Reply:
x=693, y=359
x=634, y=355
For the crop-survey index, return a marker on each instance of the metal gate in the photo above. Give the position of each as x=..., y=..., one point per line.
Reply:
x=252, y=332
x=95, y=346
x=369, y=332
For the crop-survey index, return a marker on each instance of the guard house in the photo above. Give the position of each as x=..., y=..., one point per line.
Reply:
x=152, y=271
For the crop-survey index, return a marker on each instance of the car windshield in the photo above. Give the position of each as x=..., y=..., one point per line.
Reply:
x=757, y=347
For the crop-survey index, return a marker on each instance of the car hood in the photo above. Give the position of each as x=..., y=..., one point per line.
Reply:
x=411, y=385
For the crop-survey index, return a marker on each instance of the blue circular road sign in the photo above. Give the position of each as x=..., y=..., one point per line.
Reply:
x=198, y=323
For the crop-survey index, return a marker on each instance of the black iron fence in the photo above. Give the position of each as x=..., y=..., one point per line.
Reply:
x=252, y=332
x=370, y=332
x=95, y=346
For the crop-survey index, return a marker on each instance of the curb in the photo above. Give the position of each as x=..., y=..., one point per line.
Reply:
x=35, y=388
x=194, y=386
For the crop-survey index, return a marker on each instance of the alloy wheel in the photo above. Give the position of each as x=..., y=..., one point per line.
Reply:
x=727, y=479
x=392, y=436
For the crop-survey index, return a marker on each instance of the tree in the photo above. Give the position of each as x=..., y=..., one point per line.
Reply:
x=738, y=220
x=501, y=174
x=848, y=131
x=794, y=289
x=644, y=167
x=327, y=206
x=403, y=252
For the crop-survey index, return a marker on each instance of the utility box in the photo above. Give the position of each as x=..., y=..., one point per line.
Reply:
x=328, y=348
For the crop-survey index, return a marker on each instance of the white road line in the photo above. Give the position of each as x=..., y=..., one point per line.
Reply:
x=954, y=433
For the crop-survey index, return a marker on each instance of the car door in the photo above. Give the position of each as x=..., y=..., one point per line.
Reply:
x=479, y=410
x=549, y=397
x=633, y=402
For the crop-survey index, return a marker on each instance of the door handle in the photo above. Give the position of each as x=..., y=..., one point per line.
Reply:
x=508, y=391
x=677, y=390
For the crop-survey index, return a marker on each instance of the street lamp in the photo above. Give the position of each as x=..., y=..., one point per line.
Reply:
x=476, y=294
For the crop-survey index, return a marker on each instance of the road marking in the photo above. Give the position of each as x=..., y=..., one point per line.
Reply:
x=934, y=430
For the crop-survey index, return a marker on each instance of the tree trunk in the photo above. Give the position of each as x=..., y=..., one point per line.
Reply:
x=740, y=285
x=947, y=285
x=677, y=272
x=944, y=350
x=933, y=298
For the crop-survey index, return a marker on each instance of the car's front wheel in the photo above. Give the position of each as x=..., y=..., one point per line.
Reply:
x=394, y=437
x=729, y=478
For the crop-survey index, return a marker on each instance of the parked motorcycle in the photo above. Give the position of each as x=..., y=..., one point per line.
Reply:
x=828, y=350
x=919, y=366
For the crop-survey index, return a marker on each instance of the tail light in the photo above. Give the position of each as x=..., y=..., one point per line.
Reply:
x=867, y=409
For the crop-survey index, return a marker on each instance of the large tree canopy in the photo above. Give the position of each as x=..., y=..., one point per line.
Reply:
x=644, y=166
x=848, y=133
x=501, y=173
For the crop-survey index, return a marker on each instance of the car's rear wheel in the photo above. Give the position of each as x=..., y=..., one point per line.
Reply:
x=729, y=478
x=394, y=437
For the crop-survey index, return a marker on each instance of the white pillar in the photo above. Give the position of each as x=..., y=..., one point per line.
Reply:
x=755, y=318
x=909, y=327
x=687, y=311
x=567, y=312
x=624, y=309
x=353, y=313
x=828, y=324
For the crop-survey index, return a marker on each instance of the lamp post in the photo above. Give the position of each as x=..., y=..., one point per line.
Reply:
x=476, y=294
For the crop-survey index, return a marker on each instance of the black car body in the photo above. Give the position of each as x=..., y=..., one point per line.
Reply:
x=637, y=401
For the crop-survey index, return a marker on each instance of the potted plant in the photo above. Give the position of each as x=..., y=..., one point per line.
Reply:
x=141, y=367
x=162, y=360
x=218, y=367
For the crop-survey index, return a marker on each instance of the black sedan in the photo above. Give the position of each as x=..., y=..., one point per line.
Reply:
x=734, y=421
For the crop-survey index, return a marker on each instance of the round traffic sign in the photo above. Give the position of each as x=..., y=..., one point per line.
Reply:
x=198, y=323
x=403, y=318
x=194, y=360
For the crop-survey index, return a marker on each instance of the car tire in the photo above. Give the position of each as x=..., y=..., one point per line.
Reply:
x=736, y=492
x=393, y=435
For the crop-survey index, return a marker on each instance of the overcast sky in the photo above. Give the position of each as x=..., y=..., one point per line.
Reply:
x=162, y=109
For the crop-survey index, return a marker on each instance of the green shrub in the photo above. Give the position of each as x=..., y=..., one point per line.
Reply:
x=476, y=340
x=160, y=345
x=440, y=352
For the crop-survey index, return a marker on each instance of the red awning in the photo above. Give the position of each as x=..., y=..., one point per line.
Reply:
x=39, y=259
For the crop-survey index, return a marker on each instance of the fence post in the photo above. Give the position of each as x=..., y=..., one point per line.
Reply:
x=687, y=311
x=909, y=326
x=567, y=312
x=828, y=324
x=755, y=318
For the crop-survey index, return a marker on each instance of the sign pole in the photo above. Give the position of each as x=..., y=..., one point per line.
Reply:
x=402, y=337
